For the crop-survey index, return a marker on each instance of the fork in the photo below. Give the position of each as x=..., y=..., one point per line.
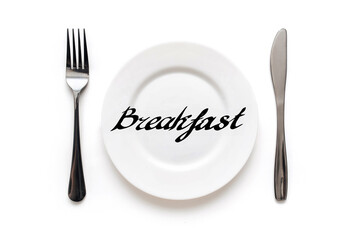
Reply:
x=77, y=77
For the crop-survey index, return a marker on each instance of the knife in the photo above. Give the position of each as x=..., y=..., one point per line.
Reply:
x=278, y=67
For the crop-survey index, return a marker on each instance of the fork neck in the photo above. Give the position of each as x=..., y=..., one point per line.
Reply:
x=76, y=98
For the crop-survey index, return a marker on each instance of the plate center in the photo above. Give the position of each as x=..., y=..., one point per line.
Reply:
x=167, y=95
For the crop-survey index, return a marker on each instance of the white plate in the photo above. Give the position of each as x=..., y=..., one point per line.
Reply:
x=162, y=81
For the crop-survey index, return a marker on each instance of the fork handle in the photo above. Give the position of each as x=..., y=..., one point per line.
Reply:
x=77, y=189
x=280, y=167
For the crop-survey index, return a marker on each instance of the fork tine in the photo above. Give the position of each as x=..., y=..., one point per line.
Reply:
x=86, y=60
x=79, y=48
x=68, y=54
x=74, y=62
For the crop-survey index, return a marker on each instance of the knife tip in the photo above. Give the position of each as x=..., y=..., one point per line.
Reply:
x=283, y=30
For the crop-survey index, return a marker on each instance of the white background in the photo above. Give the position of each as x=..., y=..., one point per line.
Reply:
x=322, y=117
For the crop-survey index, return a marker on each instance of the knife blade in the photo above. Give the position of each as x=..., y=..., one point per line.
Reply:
x=278, y=67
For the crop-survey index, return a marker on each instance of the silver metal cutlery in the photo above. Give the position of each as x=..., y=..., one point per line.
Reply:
x=278, y=66
x=77, y=77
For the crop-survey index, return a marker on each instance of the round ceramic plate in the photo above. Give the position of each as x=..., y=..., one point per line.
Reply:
x=179, y=121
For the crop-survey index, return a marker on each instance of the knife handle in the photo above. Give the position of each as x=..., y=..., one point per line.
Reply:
x=280, y=167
